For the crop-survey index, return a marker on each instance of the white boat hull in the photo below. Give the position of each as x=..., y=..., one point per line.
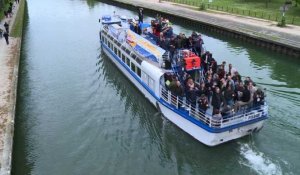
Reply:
x=202, y=135
x=208, y=138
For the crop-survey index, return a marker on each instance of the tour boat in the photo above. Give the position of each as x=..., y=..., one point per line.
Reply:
x=146, y=65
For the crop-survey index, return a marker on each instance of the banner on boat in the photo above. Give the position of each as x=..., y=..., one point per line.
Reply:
x=144, y=47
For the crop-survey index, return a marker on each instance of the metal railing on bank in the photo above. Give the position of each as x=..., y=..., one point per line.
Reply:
x=276, y=16
x=243, y=115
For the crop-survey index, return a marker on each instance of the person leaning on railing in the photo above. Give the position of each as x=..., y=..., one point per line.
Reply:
x=258, y=98
x=203, y=103
x=245, y=98
x=216, y=100
x=191, y=92
x=177, y=91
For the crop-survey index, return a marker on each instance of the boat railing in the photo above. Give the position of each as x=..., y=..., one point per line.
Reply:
x=243, y=115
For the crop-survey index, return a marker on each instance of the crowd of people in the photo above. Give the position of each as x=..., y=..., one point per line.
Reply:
x=166, y=39
x=221, y=88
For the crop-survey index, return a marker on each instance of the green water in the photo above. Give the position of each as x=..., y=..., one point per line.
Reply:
x=77, y=114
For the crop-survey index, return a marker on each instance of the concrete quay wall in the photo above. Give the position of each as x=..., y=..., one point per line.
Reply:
x=9, y=70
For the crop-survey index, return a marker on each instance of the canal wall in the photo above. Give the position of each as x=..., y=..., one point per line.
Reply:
x=258, y=32
x=9, y=68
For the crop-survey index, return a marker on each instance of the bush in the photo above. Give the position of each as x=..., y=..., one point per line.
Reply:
x=202, y=6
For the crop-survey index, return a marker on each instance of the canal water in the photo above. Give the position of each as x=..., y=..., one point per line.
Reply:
x=77, y=114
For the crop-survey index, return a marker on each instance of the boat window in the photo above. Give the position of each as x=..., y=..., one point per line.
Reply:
x=128, y=61
x=108, y=44
x=119, y=53
x=128, y=51
x=138, y=60
x=133, y=56
x=138, y=71
x=132, y=67
x=123, y=58
x=115, y=50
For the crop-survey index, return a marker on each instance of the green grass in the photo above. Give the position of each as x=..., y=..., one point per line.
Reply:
x=5, y=7
x=18, y=25
x=254, y=8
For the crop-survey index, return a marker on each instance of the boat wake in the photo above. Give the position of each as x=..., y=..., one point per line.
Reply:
x=258, y=162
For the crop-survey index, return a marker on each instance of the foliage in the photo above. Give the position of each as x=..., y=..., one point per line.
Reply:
x=266, y=9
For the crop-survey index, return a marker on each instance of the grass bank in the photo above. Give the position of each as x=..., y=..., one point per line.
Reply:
x=17, y=28
x=265, y=9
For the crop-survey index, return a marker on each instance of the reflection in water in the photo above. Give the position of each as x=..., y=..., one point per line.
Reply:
x=91, y=3
x=169, y=139
x=134, y=100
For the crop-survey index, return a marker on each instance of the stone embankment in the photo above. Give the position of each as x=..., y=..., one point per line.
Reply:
x=260, y=32
x=9, y=66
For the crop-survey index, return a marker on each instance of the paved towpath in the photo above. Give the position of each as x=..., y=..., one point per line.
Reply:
x=254, y=27
x=9, y=58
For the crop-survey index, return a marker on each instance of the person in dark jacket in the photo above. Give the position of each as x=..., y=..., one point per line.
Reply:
x=209, y=87
x=192, y=92
x=203, y=104
x=258, y=98
x=245, y=98
x=6, y=37
x=177, y=91
x=141, y=15
x=6, y=26
x=229, y=96
x=216, y=100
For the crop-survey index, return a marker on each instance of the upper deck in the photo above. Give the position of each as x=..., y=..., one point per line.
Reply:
x=146, y=50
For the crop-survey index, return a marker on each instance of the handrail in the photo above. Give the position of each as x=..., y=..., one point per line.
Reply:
x=229, y=120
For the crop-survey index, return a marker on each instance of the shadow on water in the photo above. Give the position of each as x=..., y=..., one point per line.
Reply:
x=133, y=99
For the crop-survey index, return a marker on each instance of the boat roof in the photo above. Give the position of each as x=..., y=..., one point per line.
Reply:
x=139, y=44
x=107, y=19
x=144, y=47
